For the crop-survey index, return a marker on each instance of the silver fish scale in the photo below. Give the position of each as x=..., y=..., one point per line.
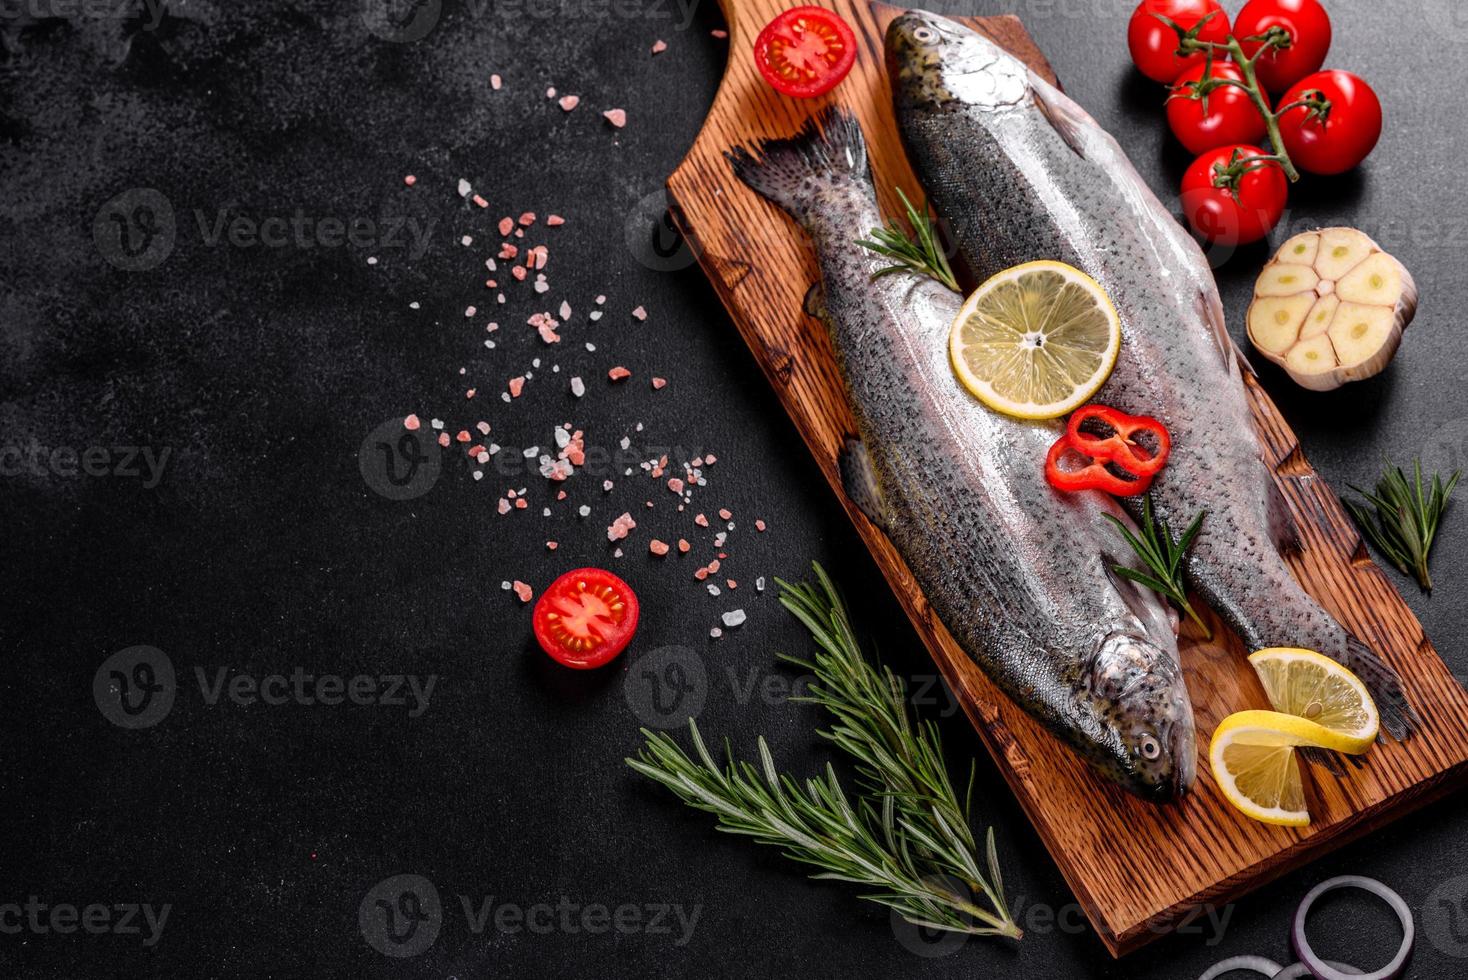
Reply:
x=1040, y=179
x=1010, y=566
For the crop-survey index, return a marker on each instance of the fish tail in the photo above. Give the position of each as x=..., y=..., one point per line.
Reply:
x=1398, y=717
x=793, y=172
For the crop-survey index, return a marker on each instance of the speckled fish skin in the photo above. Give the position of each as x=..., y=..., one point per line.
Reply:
x=1017, y=572
x=1021, y=172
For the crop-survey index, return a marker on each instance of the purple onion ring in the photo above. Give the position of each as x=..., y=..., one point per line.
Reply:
x=1299, y=970
x=1258, y=964
x=1321, y=970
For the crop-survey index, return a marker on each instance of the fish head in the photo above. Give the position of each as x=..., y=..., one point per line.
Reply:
x=935, y=62
x=1136, y=690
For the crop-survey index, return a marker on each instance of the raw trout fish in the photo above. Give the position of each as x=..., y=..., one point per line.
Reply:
x=1021, y=172
x=1015, y=570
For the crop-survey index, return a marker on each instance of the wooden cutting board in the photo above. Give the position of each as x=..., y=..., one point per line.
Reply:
x=1137, y=869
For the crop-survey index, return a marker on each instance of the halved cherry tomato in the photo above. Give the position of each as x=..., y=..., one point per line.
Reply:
x=805, y=52
x=1309, y=27
x=1137, y=443
x=1349, y=133
x=1154, y=44
x=585, y=618
x=1230, y=117
x=1233, y=216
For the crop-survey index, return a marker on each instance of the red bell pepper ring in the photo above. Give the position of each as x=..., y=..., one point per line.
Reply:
x=1110, y=436
x=1071, y=470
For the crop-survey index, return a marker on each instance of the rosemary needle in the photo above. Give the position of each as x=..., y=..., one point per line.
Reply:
x=1406, y=517
x=922, y=253
x=906, y=835
x=1163, y=557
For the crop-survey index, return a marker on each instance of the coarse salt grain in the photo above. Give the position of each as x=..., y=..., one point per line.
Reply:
x=618, y=373
x=657, y=547
x=495, y=82
x=640, y=313
x=523, y=591
x=659, y=46
x=617, y=117
x=733, y=618
x=570, y=102
x=410, y=180
x=411, y=423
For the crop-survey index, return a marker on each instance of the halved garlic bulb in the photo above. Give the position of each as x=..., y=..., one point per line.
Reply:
x=1330, y=307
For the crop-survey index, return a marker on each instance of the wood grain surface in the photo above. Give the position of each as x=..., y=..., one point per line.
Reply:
x=1136, y=868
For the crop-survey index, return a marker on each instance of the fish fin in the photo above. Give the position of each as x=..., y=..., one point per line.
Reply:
x=860, y=481
x=1398, y=718
x=1332, y=762
x=814, y=303
x=791, y=172
x=1068, y=120
x=1210, y=308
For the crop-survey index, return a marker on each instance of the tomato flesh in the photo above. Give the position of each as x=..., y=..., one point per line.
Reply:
x=586, y=618
x=805, y=52
x=1351, y=127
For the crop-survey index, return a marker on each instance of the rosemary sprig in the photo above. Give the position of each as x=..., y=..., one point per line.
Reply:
x=1406, y=517
x=922, y=253
x=1163, y=557
x=907, y=836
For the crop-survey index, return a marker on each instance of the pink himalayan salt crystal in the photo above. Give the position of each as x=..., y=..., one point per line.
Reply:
x=569, y=102
x=411, y=423
x=503, y=506
x=725, y=513
x=548, y=333
x=550, y=546
x=618, y=373
x=617, y=117
x=719, y=34
x=410, y=180
x=463, y=435
x=675, y=484
x=517, y=384
x=495, y=82
x=519, y=273
x=759, y=525
x=701, y=574
x=523, y=591
x=683, y=546
x=479, y=200
x=555, y=221
x=701, y=521
x=618, y=529
x=443, y=439
x=640, y=313
x=659, y=46
x=527, y=219
x=521, y=503
x=507, y=225
x=658, y=383
x=657, y=547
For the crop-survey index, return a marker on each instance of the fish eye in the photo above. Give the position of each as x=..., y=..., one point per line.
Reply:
x=925, y=35
x=1150, y=748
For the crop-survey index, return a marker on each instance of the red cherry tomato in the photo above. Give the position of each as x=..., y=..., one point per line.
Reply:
x=1154, y=45
x=805, y=51
x=1350, y=130
x=1309, y=27
x=1227, y=217
x=585, y=618
x=1231, y=116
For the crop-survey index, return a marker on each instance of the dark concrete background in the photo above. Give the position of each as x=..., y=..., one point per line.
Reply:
x=261, y=549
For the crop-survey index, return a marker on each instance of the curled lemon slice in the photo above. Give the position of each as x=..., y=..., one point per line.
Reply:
x=1253, y=759
x=1316, y=688
x=1036, y=341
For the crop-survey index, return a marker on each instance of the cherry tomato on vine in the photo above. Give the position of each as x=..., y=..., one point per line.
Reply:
x=1227, y=216
x=1309, y=27
x=1231, y=116
x=1154, y=45
x=805, y=52
x=585, y=618
x=1350, y=130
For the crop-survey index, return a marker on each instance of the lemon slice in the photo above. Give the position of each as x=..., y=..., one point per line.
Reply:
x=1036, y=341
x=1316, y=688
x=1253, y=760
